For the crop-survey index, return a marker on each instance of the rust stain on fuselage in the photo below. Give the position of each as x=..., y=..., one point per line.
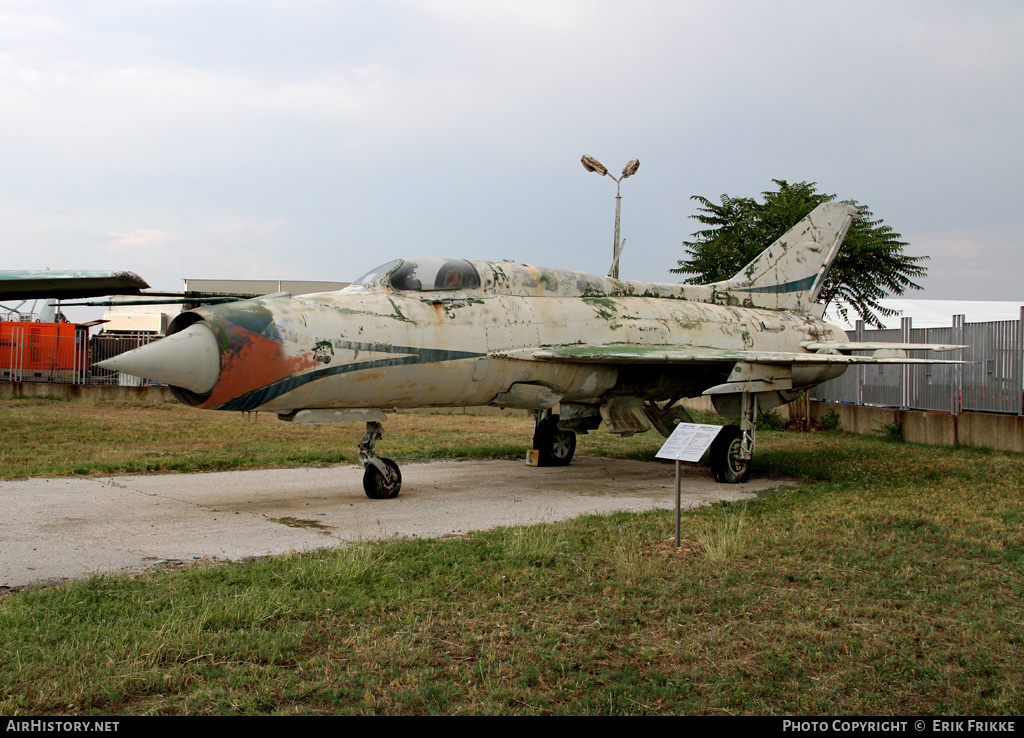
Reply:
x=250, y=360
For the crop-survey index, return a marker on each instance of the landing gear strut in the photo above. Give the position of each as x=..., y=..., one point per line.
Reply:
x=382, y=479
x=555, y=447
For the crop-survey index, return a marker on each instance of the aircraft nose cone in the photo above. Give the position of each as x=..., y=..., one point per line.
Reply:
x=189, y=359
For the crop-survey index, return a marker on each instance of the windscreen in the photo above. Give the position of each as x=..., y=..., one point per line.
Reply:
x=375, y=274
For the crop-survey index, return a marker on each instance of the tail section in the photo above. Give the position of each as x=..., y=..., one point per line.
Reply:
x=789, y=274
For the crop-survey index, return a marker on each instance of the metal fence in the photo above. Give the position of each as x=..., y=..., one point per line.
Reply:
x=108, y=345
x=992, y=381
x=41, y=355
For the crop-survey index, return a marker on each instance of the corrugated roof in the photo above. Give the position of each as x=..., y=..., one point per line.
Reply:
x=937, y=313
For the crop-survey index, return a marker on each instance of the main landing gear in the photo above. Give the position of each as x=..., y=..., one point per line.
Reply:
x=382, y=479
x=731, y=451
x=733, y=447
x=727, y=463
x=555, y=447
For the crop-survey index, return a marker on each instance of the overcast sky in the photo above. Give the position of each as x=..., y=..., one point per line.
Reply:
x=317, y=139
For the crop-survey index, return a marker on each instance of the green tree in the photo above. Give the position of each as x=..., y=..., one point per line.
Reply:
x=870, y=266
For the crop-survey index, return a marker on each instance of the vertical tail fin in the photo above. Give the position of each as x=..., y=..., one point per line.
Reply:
x=788, y=275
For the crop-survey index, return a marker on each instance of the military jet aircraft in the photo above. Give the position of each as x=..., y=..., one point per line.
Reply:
x=576, y=349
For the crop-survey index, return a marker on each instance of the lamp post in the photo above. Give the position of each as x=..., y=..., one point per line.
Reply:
x=593, y=165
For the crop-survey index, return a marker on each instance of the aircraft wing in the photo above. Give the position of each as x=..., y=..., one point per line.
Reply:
x=768, y=373
x=39, y=284
x=666, y=355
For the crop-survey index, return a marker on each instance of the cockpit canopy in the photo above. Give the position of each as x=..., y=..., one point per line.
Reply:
x=430, y=274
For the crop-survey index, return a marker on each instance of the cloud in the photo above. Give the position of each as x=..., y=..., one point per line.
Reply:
x=331, y=136
x=140, y=238
x=982, y=263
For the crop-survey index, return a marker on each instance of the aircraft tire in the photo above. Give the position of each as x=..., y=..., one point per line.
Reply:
x=374, y=485
x=556, y=447
x=726, y=465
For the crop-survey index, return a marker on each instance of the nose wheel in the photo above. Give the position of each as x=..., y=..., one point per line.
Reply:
x=380, y=486
x=382, y=479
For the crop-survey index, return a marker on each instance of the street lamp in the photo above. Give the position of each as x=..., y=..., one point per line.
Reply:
x=593, y=165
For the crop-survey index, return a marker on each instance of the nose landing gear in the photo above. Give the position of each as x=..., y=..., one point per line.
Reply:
x=382, y=479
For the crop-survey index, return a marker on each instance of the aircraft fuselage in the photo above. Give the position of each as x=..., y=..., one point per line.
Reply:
x=373, y=346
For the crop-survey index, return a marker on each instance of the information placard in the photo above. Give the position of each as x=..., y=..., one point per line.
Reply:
x=688, y=441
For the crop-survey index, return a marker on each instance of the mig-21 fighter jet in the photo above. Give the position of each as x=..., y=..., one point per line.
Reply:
x=576, y=349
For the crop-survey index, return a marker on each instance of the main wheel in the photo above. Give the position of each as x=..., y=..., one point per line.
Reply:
x=726, y=465
x=556, y=447
x=376, y=487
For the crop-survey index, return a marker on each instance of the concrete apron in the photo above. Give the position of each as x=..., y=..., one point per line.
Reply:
x=58, y=529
